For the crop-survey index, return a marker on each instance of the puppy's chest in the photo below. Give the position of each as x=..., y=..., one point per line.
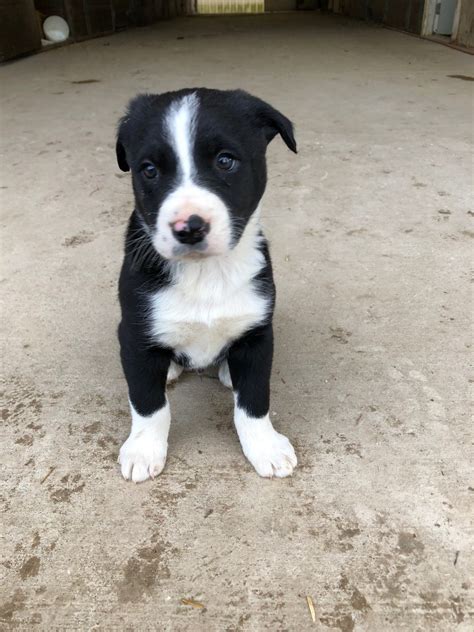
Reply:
x=200, y=319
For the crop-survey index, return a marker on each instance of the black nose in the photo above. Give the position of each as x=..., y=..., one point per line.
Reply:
x=194, y=230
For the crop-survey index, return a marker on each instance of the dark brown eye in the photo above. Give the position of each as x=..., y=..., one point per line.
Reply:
x=149, y=170
x=225, y=161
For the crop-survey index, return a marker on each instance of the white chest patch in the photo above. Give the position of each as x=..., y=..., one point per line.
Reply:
x=211, y=302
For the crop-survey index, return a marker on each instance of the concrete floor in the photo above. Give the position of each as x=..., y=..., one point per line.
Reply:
x=371, y=233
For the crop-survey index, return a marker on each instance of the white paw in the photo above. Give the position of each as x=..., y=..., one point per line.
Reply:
x=143, y=455
x=141, y=459
x=274, y=458
x=224, y=374
x=174, y=372
x=268, y=451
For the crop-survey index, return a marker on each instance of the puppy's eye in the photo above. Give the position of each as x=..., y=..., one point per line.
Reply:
x=225, y=161
x=149, y=170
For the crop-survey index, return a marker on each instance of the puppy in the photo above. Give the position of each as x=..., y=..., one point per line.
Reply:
x=196, y=287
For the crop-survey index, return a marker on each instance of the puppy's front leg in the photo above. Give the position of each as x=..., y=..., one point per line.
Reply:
x=250, y=365
x=143, y=455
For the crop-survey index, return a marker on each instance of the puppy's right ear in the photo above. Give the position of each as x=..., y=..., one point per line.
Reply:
x=138, y=109
x=120, y=148
x=121, y=156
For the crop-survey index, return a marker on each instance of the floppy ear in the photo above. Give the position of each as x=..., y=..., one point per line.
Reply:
x=121, y=156
x=271, y=121
x=119, y=145
x=136, y=107
x=274, y=122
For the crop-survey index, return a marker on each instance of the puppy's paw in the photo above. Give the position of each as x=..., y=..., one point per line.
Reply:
x=174, y=372
x=275, y=458
x=268, y=451
x=224, y=374
x=142, y=457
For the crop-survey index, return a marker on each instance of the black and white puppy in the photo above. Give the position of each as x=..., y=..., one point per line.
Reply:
x=196, y=287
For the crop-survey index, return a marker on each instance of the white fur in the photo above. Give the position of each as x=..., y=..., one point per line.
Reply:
x=174, y=372
x=224, y=374
x=188, y=198
x=268, y=451
x=181, y=126
x=211, y=301
x=143, y=455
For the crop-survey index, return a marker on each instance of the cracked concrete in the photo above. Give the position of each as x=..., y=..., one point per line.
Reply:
x=371, y=232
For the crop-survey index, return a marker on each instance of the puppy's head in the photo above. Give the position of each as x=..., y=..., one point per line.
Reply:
x=197, y=159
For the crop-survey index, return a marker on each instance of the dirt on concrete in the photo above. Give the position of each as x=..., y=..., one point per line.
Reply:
x=372, y=345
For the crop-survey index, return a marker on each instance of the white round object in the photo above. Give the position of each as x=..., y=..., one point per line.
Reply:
x=56, y=29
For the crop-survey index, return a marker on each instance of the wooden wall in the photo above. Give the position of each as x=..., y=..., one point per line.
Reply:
x=401, y=14
x=19, y=28
x=21, y=20
x=465, y=28
x=89, y=18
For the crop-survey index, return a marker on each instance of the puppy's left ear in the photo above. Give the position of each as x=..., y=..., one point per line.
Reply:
x=270, y=121
x=273, y=123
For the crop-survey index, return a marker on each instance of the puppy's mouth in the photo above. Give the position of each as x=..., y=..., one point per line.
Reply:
x=170, y=248
x=194, y=251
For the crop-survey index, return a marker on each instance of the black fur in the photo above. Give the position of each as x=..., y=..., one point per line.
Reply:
x=230, y=120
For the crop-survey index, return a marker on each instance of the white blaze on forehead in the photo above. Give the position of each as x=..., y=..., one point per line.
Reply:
x=186, y=197
x=181, y=124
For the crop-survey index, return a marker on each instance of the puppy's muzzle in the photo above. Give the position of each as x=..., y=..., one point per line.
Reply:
x=190, y=231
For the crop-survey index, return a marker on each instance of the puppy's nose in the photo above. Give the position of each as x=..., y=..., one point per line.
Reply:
x=191, y=231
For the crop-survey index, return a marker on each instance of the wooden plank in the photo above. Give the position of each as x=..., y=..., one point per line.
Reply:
x=19, y=28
